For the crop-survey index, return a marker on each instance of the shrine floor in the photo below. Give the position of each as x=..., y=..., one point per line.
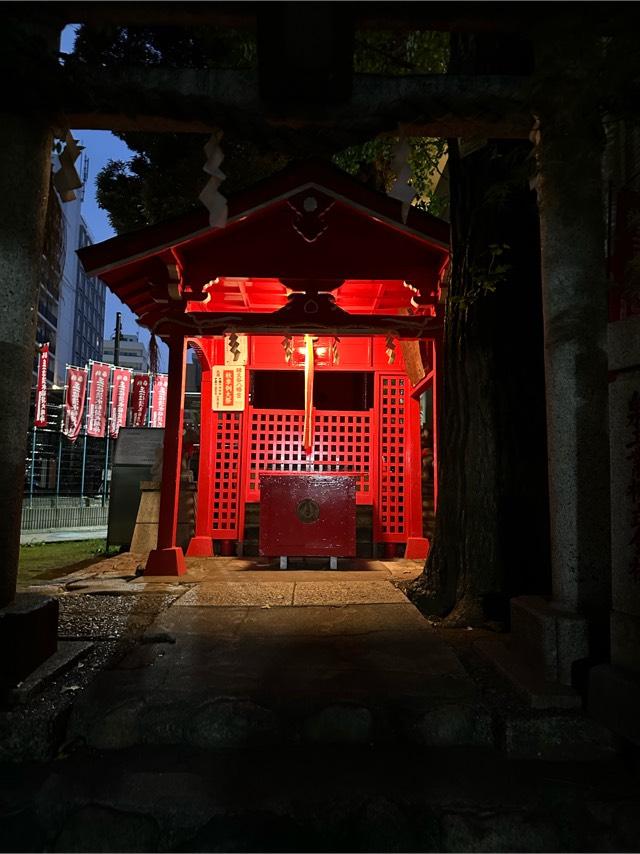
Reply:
x=246, y=708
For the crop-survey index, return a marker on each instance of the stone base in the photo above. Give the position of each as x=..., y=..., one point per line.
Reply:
x=200, y=547
x=614, y=699
x=533, y=689
x=63, y=659
x=145, y=535
x=549, y=640
x=625, y=641
x=28, y=636
x=417, y=548
x=166, y=562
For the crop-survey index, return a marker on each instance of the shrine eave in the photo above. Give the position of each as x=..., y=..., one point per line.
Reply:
x=310, y=221
x=201, y=324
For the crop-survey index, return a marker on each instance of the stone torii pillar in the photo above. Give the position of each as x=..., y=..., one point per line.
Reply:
x=168, y=557
x=570, y=633
x=24, y=188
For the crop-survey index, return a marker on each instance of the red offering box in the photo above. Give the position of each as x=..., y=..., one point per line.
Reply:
x=307, y=514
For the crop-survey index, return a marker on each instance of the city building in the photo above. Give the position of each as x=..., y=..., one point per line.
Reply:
x=71, y=310
x=133, y=353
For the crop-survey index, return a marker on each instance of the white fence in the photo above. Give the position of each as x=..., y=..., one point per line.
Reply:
x=43, y=518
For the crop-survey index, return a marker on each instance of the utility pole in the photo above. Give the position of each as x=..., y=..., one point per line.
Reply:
x=116, y=345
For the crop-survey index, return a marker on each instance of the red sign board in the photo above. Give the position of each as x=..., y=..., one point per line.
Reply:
x=120, y=384
x=74, y=402
x=140, y=399
x=40, y=419
x=159, y=401
x=98, y=393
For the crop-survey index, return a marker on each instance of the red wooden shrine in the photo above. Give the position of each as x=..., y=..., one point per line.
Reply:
x=311, y=268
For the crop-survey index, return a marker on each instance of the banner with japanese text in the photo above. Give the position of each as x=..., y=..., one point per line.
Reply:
x=159, y=400
x=227, y=388
x=76, y=382
x=98, y=394
x=40, y=412
x=140, y=399
x=120, y=385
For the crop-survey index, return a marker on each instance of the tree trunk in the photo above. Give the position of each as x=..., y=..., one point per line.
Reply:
x=491, y=538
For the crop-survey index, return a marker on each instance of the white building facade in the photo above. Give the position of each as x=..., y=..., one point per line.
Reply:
x=133, y=353
x=71, y=311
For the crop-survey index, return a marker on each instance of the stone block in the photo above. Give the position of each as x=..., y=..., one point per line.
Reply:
x=537, y=693
x=28, y=636
x=453, y=725
x=145, y=535
x=508, y=832
x=623, y=344
x=340, y=724
x=624, y=433
x=625, y=641
x=99, y=828
x=229, y=722
x=558, y=738
x=614, y=699
x=549, y=640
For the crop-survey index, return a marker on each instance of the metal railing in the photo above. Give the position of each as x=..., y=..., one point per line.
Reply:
x=45, y=518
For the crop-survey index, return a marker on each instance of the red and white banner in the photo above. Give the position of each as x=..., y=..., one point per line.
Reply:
x=76, y=382
x=98, y=394
x=140, y=399
x=120, y=384
x=40, y=419
x=159, y=400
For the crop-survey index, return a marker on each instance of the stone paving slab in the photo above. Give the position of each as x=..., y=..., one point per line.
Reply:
x=320, y=799
x=346, y=593
x=237, y=593
x=315, y=575
x=253, y=675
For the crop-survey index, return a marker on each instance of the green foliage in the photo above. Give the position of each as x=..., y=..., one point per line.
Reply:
x=174, y=47
x=490, y=270
x=164, y=176
x=372, y=163
x=417, y=52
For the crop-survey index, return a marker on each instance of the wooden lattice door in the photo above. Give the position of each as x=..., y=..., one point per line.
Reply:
x=399, y=488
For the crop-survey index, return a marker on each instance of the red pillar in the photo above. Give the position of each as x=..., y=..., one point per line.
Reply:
x=417, y=546
x=168, y=558
x=201, y=545
x=437, y=415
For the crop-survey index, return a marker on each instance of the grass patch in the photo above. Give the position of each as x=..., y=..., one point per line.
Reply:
x=43, y=561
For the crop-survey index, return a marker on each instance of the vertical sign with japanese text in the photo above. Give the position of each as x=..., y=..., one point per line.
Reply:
x=40, y=412
x=98, y=392
x=140, y=399
x=228, y=388
x=120, y=383
x=159, y=400
x=76, y=383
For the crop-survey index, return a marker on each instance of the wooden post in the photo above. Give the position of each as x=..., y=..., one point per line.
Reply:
x=168, y=558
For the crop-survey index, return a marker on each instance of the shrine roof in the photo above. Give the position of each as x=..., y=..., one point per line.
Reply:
x=309, y=221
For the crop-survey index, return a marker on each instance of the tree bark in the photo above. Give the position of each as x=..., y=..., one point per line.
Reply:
x=491, y=539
